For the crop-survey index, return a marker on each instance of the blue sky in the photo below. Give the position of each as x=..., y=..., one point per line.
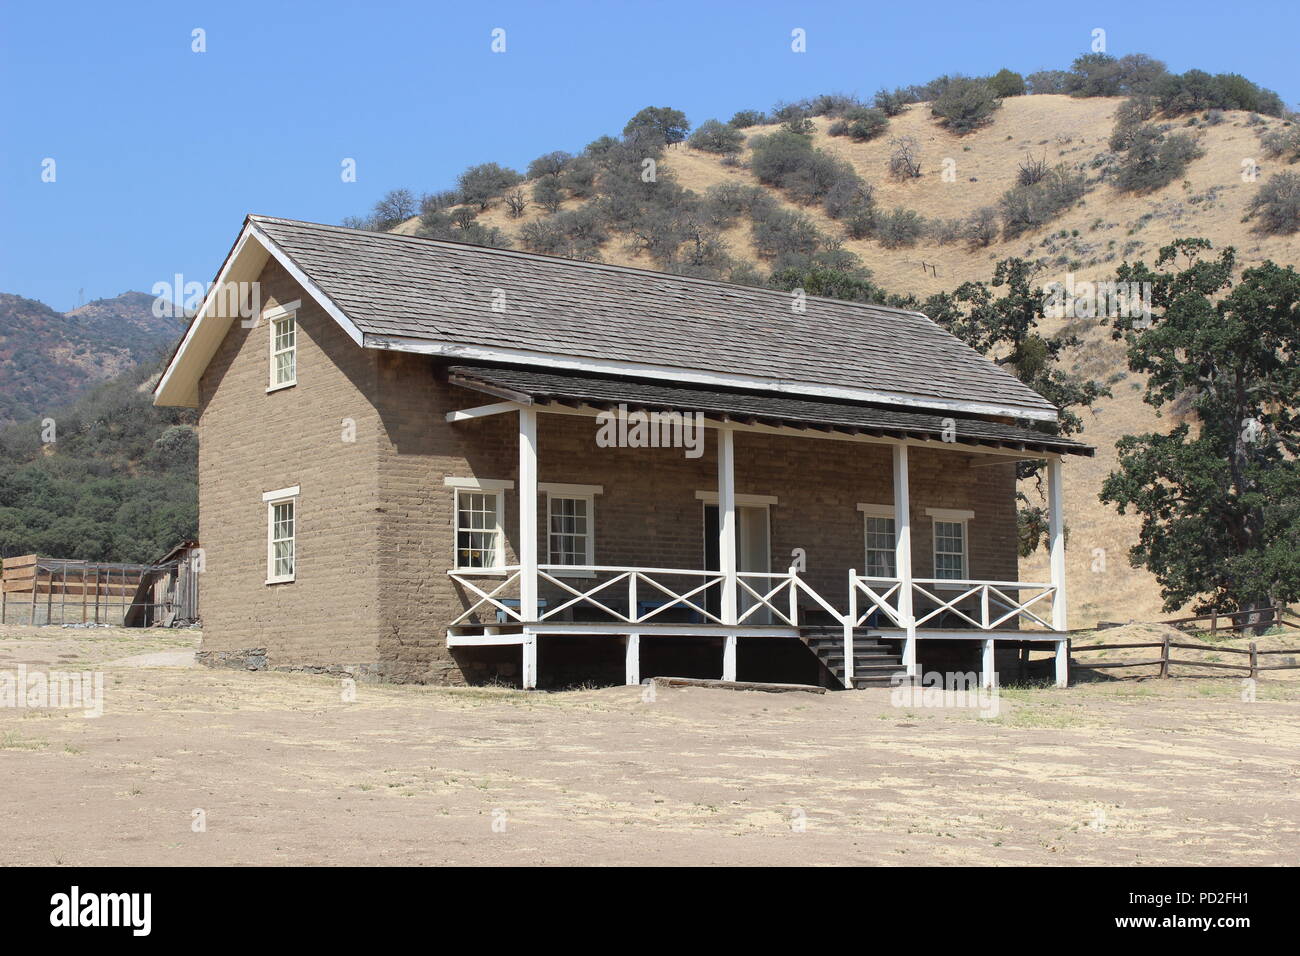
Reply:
x=160, y=151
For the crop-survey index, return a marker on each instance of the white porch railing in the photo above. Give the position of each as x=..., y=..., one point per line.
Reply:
x=637, y=584
x=634, y=595
x=994, y=605
x=463, y=578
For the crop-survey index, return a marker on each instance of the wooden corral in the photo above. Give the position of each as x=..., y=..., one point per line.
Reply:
x=42, y=590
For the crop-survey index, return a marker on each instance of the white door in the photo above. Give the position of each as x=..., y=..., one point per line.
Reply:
x=753, y=553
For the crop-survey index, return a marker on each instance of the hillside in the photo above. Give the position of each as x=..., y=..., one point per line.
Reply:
x=1088, y=239
x=119, y=483
x=49, y=358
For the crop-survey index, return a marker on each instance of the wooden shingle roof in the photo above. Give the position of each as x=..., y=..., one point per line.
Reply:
x=470, y=302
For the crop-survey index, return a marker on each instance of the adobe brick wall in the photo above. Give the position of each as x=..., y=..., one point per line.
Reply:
x=648, y=514
x=375, y=521
x=252, y=442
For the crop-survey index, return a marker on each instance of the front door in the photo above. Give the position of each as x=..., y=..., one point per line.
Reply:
x=753, y=553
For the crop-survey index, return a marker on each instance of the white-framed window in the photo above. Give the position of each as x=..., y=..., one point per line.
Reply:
x=880, y=539
x=284, y=349
x=479, y=523
x=570, y=524
x=281, y=535
x=951, y=542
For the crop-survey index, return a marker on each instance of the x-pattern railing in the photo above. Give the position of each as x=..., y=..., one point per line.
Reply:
x=878, y=591
x=774, y=592
x=688, y=597
x=487, y=597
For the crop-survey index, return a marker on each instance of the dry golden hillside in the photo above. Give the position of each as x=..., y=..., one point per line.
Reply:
x=1090, y=240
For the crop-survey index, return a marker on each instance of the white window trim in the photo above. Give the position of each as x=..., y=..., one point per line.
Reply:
x=569, y=491
x=482, y=486
x=877, y=511
x=271, y=499
x=271, y=316
x=478, y=484
x=963, y=517
x=742, y=501
x=950, y=514
x=585, y=493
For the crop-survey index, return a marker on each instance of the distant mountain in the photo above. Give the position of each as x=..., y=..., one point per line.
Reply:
x=48, y=358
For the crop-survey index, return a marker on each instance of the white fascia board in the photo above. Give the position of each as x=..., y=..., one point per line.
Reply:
x=308, y=285
x=483, y=353
x=179, y=384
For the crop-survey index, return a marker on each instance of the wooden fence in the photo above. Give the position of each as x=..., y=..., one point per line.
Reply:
x=1275, y=615
x=1252, y=668
x=37, y=590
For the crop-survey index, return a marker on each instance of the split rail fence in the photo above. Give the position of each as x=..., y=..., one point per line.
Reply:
x=1252, y=667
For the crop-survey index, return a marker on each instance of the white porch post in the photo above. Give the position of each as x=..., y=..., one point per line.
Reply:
x=633, y=653
x=529, y=676
x=1056, y=529
x=903, y=556
x=729, y=657
x=727, y=543
x=528, y=514
x=987, y=672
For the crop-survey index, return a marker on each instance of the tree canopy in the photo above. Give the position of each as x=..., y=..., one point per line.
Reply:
x=1219, y=496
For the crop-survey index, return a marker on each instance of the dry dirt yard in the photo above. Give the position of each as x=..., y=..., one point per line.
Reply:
x=285, y=771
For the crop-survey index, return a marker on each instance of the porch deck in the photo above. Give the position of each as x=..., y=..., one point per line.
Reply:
x=780, y=605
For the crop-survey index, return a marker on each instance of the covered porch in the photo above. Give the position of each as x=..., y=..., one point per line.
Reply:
x=862, y=626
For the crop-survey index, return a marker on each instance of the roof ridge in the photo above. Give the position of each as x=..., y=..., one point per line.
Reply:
x=584, y=263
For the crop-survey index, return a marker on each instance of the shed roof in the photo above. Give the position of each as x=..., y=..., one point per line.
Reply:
x=536, y=386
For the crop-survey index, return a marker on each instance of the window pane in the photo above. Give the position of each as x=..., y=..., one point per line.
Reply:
x=282, y=541
x=284, y=368
x=880, y=547
x=568, y=531
x=949, y=549
x=476, y=530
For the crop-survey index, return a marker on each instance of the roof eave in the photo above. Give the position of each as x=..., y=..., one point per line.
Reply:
x=486, y=353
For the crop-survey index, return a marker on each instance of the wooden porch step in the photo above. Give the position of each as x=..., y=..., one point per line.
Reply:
x=874, y=662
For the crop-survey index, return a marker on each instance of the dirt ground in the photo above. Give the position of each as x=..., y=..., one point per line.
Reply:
x=281, y=769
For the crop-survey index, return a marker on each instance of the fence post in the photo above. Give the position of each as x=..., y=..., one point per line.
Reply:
x=794, y=597
x=1214, y=624
x=1254, y=661
x=1164, y=656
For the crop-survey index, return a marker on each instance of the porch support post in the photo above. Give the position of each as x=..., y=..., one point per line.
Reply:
x=528, y=513
x=1056, y=528
x=903, y=556
x=727, y=521
x=529, y=677
x=729, y=657
x=987, y=672
x=1063, y=662
x=633, y=654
